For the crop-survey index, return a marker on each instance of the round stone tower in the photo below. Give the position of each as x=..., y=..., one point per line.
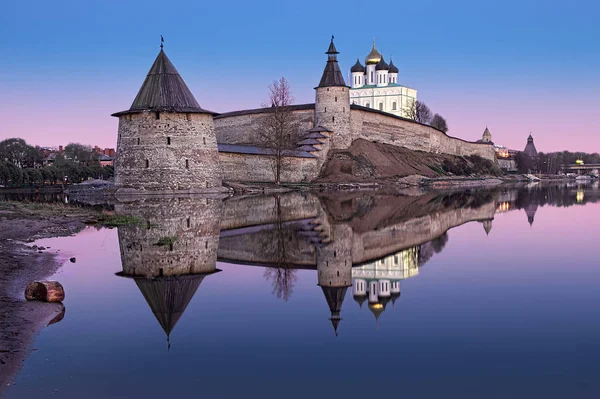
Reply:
x=332, y=102
x=166, y=141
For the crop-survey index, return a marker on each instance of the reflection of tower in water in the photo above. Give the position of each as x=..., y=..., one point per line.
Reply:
x=171, y=252
x=530, y=211
x=334, y=269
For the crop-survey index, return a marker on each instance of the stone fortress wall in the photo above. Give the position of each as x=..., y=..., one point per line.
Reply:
x=365, y=123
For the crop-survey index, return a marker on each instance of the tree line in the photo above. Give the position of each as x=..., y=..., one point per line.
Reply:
x=551, y=163
x=21, y=164
x=421, y=113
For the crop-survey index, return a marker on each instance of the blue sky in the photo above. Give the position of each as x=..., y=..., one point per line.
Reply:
x=515, y=66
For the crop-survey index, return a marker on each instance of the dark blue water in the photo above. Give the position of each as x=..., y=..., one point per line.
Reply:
x=506, y=312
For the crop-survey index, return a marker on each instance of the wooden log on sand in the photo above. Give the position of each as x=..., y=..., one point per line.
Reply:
x=45, y=291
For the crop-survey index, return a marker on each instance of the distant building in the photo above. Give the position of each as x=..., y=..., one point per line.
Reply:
x=376, y=86
x=105, y=160
x=530, y=148
x=504, y=156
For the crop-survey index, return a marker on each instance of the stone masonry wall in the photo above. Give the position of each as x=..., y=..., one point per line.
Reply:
x=387, y=129
x=240, y=127
x=347, y=125
x=260, y=168
x=167, y=152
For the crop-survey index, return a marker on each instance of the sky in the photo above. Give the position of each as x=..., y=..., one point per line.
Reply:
x=513, y=66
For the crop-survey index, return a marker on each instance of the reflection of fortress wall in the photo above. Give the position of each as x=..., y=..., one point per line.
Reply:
x=269, y=245
x=379, y=243
x=250, y=211
x=193, y=223
x=251, y=227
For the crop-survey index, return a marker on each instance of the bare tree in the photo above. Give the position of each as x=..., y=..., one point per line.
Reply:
x=277, y=127
x=282, y=274
x=418, y=111
x=439, y=122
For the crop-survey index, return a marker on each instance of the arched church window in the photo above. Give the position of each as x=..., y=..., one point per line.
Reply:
x=368, y=105
x=394, y=105
x=371, y=76
x=381, y=106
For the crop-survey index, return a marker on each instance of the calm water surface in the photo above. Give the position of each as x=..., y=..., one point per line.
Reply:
x=489, y=294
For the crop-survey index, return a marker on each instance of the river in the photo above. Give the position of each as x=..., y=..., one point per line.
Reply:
x=485, y=293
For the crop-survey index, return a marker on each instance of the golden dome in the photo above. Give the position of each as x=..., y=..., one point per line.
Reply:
x=374, y=56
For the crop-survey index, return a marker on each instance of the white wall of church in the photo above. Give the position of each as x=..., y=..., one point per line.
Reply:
x=393, y=99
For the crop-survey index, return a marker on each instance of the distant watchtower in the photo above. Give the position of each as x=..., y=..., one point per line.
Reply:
x=487, y=136
x=166, y=141
x=332, y=99
x=530, y=148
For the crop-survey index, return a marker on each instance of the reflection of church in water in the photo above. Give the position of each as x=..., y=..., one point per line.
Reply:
x=364, y=242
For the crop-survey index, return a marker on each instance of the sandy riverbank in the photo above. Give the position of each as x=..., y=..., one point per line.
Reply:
x=20, y=263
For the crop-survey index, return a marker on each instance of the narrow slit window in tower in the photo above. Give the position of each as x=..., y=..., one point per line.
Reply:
x=147, y=163
x=336, y=99
x=138, y=141
x=333, y=118
x=157, y=115
x=204, y=140
x=168, y=141
x=187, y=164
x=189, y=223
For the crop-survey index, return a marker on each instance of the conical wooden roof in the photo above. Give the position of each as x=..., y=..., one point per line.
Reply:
x=164, y=90
x=332, y=75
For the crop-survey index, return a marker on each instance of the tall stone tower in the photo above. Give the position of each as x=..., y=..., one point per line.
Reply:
x=166, y=141
x=332, y=102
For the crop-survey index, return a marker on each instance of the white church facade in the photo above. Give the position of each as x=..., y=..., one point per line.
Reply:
x=376, y=86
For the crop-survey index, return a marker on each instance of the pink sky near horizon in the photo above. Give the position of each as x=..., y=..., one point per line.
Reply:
x=75, y=116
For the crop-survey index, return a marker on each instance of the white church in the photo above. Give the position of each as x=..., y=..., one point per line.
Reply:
x=376, y=86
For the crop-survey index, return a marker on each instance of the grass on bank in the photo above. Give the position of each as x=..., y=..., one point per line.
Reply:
x=41, y=210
